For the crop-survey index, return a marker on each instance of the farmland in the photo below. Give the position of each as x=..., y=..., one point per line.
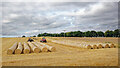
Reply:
x=64, y=55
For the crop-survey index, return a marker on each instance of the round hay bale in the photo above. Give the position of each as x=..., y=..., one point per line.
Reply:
x=88, y=46
x=11, y=50
x=112, y=46
x=17, y=51
x=52, y=49
x=26, y=51
x=100, y=46
x=106, y=46
x=41, y=47
x=36, y=50
x=94, y=46
x=44, y=49
x=19, y=48
x=26, y=48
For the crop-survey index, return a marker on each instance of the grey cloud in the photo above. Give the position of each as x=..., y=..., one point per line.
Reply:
x=37, y=18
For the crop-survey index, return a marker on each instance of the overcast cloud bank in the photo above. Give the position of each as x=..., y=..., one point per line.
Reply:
x=32, y=18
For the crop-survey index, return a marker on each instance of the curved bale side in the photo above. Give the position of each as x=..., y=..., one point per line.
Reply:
x=42, y=48
x=106, y=46
x=87, y=46
x=50, y=48
x=111, y=45
x=99, y=46
x=12, y=49
x=26, y=48
x=34, y=48
x=94, y=46
x=19, y=48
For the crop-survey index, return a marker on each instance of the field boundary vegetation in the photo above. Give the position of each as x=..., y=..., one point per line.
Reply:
x=107, y=33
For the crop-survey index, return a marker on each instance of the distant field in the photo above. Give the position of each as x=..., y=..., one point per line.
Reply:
x=65, y=55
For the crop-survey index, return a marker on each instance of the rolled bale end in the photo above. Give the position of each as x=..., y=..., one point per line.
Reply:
x=33, y=48
x=9, y=52
x=106, y=46
x=112, y=46
x=12, y=49
x=52, y=49
x=36, y=50
x=26, y=48
x=41, y=47
x=17, y=51
x=100, y=46
x=94, y=47
x=26, y=51
x=19, y=48
x=88, y=47
x=44, y=49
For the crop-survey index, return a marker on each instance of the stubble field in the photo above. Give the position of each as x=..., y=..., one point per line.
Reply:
x=65, y=55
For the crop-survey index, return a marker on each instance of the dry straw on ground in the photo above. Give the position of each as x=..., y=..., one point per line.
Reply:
x=12, y=49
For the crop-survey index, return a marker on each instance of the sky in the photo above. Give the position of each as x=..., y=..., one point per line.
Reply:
x=32, y=18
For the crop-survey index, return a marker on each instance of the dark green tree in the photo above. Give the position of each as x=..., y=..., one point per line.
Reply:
x=80, y=34
x=93, y=33
x=109, y=33
x=116, y=33
x=39, y=35
x=34, y=36
x=62, y=34
x=100, y=34
x=23, y=36
x=88, y=34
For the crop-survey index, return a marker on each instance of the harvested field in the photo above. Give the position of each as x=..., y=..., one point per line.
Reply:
x=64, y=55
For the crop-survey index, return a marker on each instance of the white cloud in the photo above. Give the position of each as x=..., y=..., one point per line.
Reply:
x=34, y=23
x=13, y=15
x=6, y=21
x=95, y=8
x=32, y=31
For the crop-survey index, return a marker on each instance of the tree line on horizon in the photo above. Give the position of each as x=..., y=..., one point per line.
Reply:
x=108, y=33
